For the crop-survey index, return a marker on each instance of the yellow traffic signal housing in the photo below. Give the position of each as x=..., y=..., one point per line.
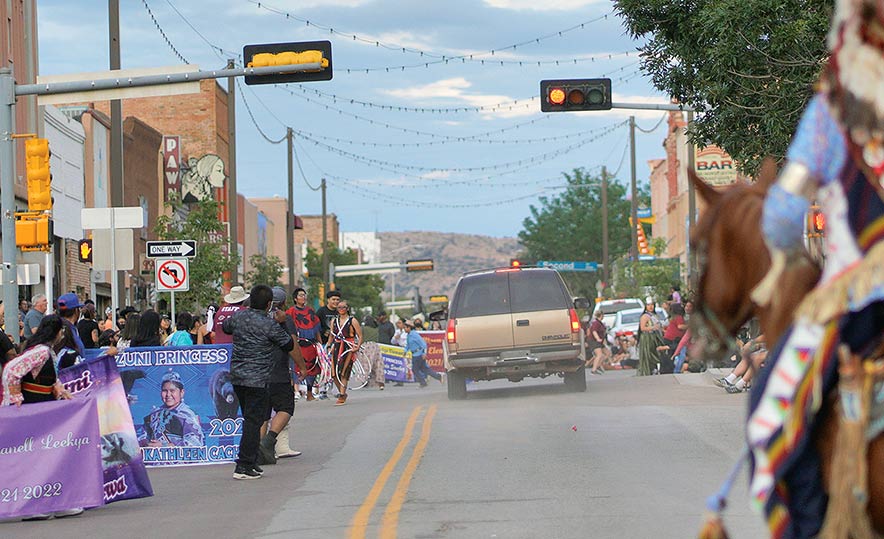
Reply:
x=39, y=176
x=280, y=54
x=33, y=231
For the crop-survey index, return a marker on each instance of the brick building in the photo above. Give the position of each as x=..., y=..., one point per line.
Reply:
x=311, y=234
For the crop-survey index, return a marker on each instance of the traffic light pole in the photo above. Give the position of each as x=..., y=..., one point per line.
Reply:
x=7, y=200
x=634, y=195
x=290, y=212
x=605, y=225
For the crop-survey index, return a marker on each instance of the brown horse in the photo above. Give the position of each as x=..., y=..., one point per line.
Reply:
x=733, y=259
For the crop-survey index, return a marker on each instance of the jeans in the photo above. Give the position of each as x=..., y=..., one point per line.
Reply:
x=255, y=405
x=422, y=370
x=679, y=359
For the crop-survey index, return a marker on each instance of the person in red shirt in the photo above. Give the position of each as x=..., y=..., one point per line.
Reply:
x=677, y=326
x=234, y=303
x=309, y=331
x=596, y=335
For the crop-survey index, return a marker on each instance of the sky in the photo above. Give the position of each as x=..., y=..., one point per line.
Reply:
x=390, y=163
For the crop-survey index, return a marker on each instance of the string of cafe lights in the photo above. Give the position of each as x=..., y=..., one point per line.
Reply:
x=537, y=140
x=508, y=106
x=536, y=159
x=438, y=58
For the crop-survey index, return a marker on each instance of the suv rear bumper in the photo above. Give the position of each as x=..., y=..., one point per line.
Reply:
x=503, y=364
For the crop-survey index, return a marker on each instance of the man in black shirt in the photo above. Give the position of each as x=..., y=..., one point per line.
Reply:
x=386, y=330
x=327, y=312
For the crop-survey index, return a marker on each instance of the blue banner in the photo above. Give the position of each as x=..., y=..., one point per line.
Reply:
x=182, y=403
x=397, y=367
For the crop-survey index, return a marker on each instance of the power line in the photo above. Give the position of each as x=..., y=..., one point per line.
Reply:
x=215, y=48
x=163, y=33
x=651, y=130
x=252, y=117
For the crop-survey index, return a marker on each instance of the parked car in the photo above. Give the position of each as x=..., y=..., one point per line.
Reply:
x=610, y=307
x=626, y=322
x=512, y=323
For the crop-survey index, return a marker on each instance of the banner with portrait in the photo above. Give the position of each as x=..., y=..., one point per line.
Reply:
x=125, y=477
x=50, y=458
x=182, y=403
x=397, y=367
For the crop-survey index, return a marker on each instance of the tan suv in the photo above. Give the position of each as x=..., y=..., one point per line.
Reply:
x=512, y=323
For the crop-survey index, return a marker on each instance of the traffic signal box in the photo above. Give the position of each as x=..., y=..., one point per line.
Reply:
x=573, y=95
x=33, y=228
x=38, y=174
x=84, y=250
x=281, y=54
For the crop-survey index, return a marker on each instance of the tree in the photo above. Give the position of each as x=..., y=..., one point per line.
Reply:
x=568, y=226
x=652, y=277
x=265, y=270
x=361, y=291
x=747, y=66
x=200, y=222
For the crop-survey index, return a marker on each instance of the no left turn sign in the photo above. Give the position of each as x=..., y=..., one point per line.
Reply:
x=172, y=275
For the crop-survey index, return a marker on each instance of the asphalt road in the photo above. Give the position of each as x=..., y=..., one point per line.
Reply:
x=630, y=458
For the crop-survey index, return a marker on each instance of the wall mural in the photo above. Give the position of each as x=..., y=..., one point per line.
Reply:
x=203, y=174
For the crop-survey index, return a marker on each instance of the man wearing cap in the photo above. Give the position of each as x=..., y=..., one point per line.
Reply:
x=70, y=350
x=234, y=303
x=175, y=424
x=275, y=443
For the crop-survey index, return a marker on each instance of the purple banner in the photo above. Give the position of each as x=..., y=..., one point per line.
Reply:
x=50, y=459
x=125, y=476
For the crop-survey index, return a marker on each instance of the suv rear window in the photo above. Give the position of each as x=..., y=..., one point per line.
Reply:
x=482, y=295
x=536, y=291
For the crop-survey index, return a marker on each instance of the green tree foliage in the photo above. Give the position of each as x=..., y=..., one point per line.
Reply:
x=361, y=291
x=568, y=226
x=200, y=222
x=652, y=277
x=747, y=66
x=265, y=270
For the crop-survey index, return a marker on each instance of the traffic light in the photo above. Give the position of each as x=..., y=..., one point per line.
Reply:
x=280, y=54
x=575, y=95
x=419, y=265
x=816, y=221
x=38, y=175
x=84, y=248
x=515, y=263
x=33, y=231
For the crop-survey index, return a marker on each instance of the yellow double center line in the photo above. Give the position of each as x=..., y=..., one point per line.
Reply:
x=390, y=521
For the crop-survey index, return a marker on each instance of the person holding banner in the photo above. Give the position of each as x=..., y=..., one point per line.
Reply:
x=20, y=384
x=175, y=424
x=418, y=348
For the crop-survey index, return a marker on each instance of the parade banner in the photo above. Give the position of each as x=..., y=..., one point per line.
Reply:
x=182, y=403
x=397, y=367
x=434, y=356
x=50, y=459
x=125, y=477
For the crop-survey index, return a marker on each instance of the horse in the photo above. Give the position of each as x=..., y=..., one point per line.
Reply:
x=733, y=258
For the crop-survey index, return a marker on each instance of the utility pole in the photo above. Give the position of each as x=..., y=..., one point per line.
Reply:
x=290, y=213
x=605, y=225
x=634, y=196
x=324, y=242
x=692, y=211
x=7, y=199
x=116, y=146
x=232, y=202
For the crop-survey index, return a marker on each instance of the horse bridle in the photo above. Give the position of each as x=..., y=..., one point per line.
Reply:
x=720, y=339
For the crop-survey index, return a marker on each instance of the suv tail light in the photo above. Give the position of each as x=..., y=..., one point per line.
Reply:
x=575, y=322
x=451, y=332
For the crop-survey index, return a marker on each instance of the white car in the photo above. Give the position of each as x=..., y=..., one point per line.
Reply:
x=611, y=307
x=626, y=322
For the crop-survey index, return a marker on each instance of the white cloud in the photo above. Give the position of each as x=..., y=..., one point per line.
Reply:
x=453, y=89
x=534, y=5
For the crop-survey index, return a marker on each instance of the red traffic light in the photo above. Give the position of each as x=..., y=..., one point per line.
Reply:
x=515, y=263
x=819, y=222
x=573, y=95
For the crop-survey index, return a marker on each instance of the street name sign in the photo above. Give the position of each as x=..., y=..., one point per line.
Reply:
x=171, y=249
x=573, y=265
x=173, y=275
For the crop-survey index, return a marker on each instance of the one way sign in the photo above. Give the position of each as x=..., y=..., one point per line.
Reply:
x=171, y=249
